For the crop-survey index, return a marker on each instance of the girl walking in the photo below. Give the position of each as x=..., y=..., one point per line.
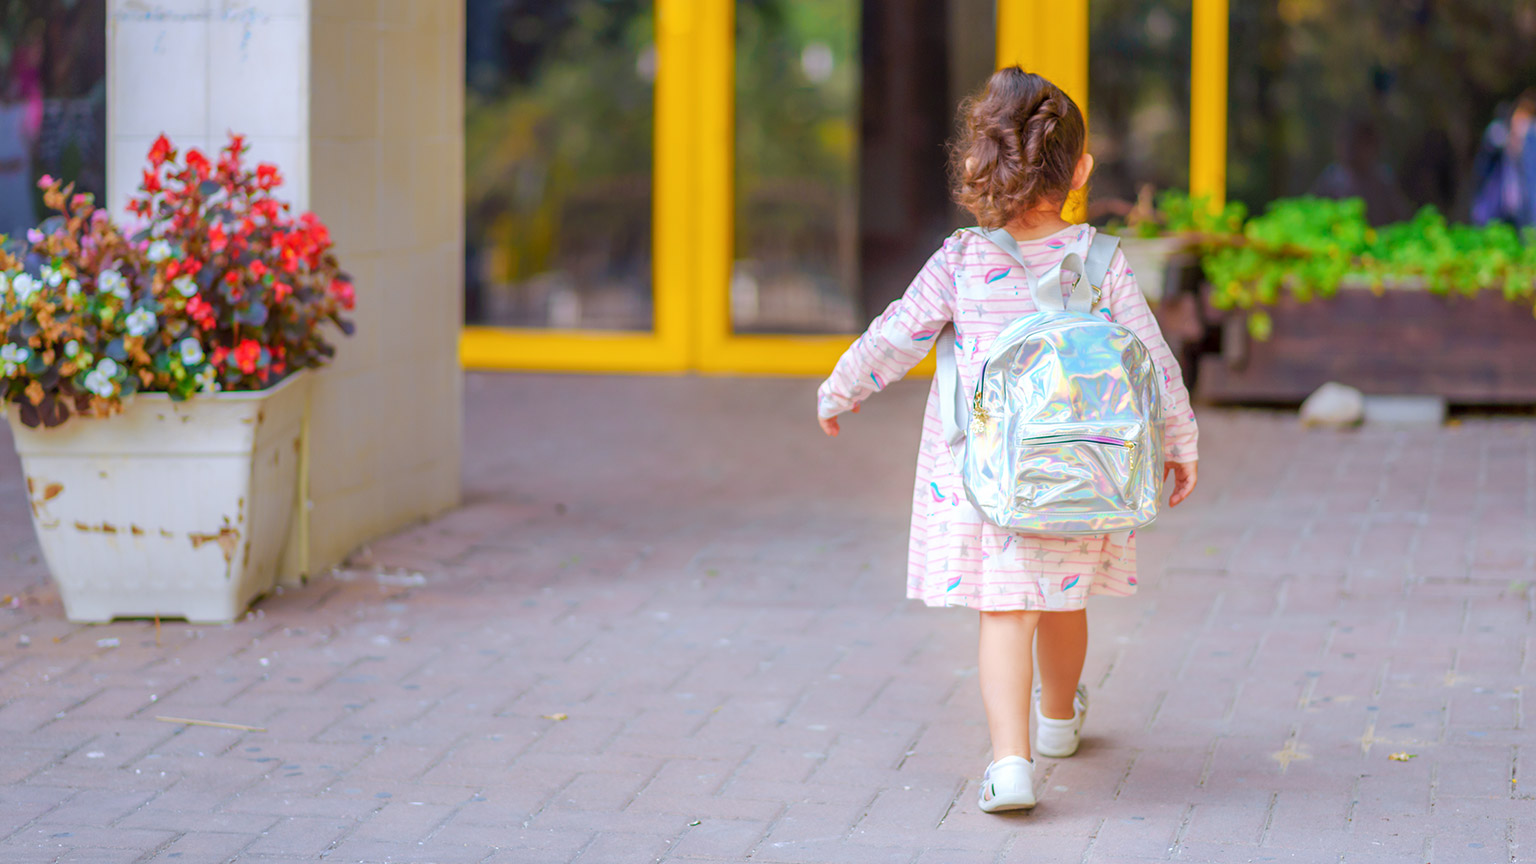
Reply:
x=1020, y=154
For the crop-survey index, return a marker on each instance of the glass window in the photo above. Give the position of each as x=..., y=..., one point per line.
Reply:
x=558, y=146
x=843, y=110
x=52, y=103
x=1138, y=101
x=1389, y=101
x=921, y=59
x=797, y=109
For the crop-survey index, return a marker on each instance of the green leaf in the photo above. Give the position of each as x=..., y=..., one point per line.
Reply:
x=1260, y=325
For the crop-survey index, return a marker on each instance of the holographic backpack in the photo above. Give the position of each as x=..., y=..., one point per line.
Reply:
x=1063, y=432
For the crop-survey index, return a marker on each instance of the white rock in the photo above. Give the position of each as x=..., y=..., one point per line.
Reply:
x=1333, y=404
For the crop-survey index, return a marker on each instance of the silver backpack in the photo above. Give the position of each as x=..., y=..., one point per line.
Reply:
x=1063, y=433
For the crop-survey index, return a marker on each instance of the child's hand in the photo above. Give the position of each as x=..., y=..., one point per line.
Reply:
x=829, y=424
x=1185, y=475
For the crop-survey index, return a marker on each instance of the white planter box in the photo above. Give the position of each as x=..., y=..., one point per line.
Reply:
x=176, y=509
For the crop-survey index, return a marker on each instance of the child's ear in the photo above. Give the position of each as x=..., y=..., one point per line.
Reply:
x=1082, y=172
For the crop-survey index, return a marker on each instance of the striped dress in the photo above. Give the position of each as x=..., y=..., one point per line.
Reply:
x=956, y=558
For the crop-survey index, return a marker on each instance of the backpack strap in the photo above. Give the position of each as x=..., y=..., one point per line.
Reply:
x=1100, y=254
x=951, y=408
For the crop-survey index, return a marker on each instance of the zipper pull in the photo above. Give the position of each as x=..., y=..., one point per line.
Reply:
x=979, y=416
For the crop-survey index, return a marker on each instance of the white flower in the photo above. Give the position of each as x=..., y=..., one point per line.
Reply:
x=159, y=251
x=141, y=322
x=71, y=348
x=184, y=286
x=112, y=282
x=99, y=380
x=191, y=352
x=24, y=286
x=13, y=356
x=99, y=384
x=53, y=277
x=73, y=288
x=207, y=380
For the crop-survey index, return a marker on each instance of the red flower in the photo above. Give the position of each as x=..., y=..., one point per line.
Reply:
x=201, y=312
x=246, y=355
x=191, y=266
x=161, y=151
x=235, y=147
x=267, y=176
x=151, y=181
x=173, y=269
x=199, y=163
x=344, y=293
x=258, y=269
x=280, y=291
x=216, y=237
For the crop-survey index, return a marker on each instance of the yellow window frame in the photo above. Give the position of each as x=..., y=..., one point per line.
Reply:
x=694, y=195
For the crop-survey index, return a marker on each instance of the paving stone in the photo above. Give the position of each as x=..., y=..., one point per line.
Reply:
x=614, y=642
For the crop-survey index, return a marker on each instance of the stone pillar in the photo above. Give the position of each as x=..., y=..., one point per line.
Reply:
x=386, y=156
x=361, y=105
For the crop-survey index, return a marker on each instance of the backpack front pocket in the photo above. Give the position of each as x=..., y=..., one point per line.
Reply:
x=1078, y=468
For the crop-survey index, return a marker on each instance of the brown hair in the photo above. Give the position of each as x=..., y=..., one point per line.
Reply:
x=1526, y=101
x=1019, y=144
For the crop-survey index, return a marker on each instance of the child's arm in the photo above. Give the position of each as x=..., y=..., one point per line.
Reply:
x=1181, y=434
x=893, y=344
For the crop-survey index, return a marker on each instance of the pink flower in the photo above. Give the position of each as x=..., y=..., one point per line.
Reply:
x=44, y=181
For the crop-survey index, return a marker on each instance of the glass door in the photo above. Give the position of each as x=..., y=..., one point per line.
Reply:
x=738, y=187
x=559, y=186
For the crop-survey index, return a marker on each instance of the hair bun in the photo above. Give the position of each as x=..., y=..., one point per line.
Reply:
x=1020, y=144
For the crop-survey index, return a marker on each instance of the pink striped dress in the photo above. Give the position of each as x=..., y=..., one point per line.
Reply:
x=955, y=558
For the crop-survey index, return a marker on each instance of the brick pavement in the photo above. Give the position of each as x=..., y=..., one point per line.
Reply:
x=709, y=594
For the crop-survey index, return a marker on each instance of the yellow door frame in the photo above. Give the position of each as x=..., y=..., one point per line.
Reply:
x=694, y=203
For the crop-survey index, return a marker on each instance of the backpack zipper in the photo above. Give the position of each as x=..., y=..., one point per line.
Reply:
x=1080, y=439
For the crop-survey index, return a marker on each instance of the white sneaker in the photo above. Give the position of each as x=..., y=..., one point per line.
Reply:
x=1009, y=784
x=1058, y=739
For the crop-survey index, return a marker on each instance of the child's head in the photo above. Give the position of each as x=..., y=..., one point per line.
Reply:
x=1020, y=152
x=1525, y=106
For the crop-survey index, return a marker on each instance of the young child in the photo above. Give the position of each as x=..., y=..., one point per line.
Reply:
x=1020, y=154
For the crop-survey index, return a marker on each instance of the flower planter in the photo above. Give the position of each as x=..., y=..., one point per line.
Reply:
x=1478, y=350
x=175, y=509
x=1149, y=258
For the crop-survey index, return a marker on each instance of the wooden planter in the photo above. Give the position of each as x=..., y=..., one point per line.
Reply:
x=1468, y=350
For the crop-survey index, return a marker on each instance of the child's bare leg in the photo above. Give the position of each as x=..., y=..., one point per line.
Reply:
x=1063, y=648
x=1007, y=672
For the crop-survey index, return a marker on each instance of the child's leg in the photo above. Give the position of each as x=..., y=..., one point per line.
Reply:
x=1063, y=648
x=1007, y=671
